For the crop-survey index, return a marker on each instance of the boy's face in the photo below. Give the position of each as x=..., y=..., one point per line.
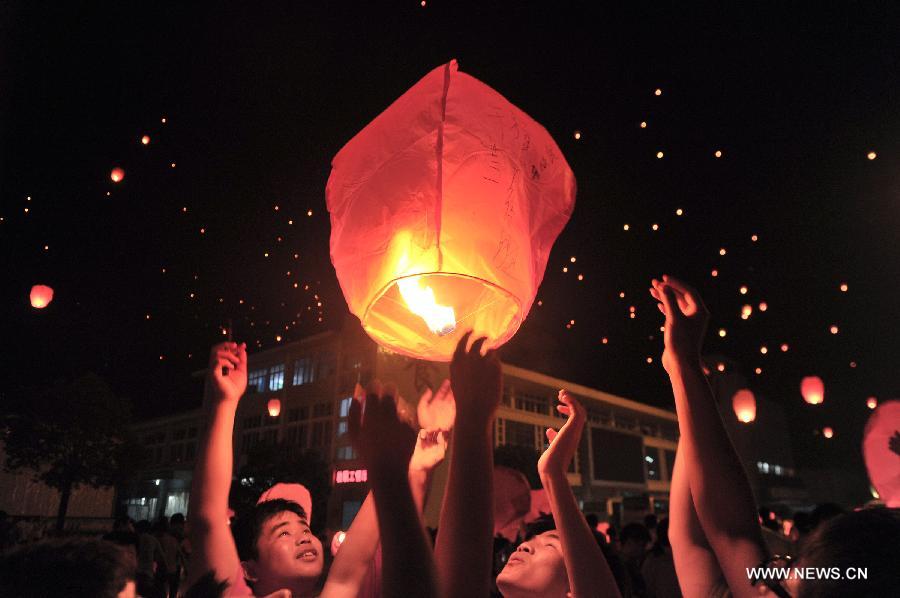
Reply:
x=536, y=568
x=288, y=551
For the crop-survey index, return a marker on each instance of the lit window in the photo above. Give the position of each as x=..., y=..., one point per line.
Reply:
x=345, y=406
x=256, y=381
x=276, y=377
x=304, y=372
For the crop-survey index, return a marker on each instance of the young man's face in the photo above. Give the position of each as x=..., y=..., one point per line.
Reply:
x=288, y=551
x=535, y=569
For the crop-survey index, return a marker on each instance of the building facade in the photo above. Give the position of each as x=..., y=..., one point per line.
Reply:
x=622, y=468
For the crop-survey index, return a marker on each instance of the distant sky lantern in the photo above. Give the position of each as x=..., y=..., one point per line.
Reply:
x=41, y=296
x=625, y=227
x=746, y=312
x=442, y=218
x=754, y=238
x=844, y=287
x=659, y=155
x=871, y=402
x=679, y=212
x=827, y=432
x=744, y=404
x=718, y=153
x=813, y=390
x=577, y=135
x=643, y=124
x=871, y=155
x=714, y=273
x=145, y=139
x=722, y=251
x=743, y=289
x=722, y=332
x=274, y=407
x=764, y=349
x=658, y=92
x=784, y=347
x=720, y=367
x=763, y=306
x=758, y=371
x=117, y=174
x=834, y=329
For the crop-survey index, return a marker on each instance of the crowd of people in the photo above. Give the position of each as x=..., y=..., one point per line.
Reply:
x=711, y=540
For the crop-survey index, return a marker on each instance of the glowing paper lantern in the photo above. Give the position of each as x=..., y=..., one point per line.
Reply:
x=41, y=296
x=881, y=460
x=443, y=213
x=871, y=402
x=744, y=404
x=827, y=432
x=274, y=407
x=813, y=390
x=117, y=175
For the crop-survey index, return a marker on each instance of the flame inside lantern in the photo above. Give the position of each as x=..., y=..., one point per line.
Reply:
x=744, y=404
x=40, y=296
x=440, y=319
x=274, y=407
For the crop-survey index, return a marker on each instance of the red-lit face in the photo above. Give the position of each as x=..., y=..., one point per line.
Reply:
x=290, y=556
x=535, y=569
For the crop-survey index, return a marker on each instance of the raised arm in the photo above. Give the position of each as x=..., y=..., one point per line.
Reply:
x=358, y=550
x=586, y=567
x=719, y=487
x=695, y=563
x=210, y=535
x=386, y=445
x=464, y=544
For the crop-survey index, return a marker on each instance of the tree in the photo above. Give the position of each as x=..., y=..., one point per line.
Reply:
x=71, y=434
x=269, y=464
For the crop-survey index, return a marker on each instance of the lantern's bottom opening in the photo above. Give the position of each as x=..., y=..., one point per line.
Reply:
x=479, y=305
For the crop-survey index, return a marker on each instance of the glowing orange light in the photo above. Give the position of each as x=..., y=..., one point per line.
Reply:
x=813, y=390
x=746, y=311
x=763, y=306
x=744, y=404
x=754, y=238
x=649, y=360
x=833, y=329
x=720, y=366
x=679, y=212
x=625, y=227
x=758, y=370
x=622, y=295
x=581, y=277
x=844, y=287
x=705, y=371
x=145, y=139
x=40, y=296
x=722, y=332
x=577, y=135
x=659, y=155
x=274, y=407
x=743, y=289
x=871, y=155
x=722, y=251
x=658, y=92
x=604, y=340
x=631, y=309
x=643, y=124
x=871, y=402
x=852, y=364
x=277, y=208
x=764, y=349
x=714, y=273
x=784, y=347
x=827, y=432
x=309, y=212
x=572, y=259
x=278, y=339
x=655, y=227
x=163, y=120
x=410, y=278
x=117, y=174
x=565, y=268
x=718, y=153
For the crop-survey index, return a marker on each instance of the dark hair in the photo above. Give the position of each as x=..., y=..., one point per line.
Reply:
x=592, y=520
x=662, y=537
x=177, y=519
x=865, y=539
x=824, y=512
x=249, y=525
x=74, y=568
x=634, y=531
x=544, y=523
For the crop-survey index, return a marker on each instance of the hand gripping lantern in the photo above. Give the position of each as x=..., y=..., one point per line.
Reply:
x=443, y=213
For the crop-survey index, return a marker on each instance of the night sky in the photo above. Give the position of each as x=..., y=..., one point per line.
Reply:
x=257, y=100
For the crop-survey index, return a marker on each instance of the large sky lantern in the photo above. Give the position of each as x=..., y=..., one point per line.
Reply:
x=813, y=390
x=443, y=213
x=744, y=404
x=41, y=295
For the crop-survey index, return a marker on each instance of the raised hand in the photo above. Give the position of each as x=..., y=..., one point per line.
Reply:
x=437, y=410
x=476, y=382
x=227, y=388
x=431, y=447
x=686, y=320
x=563, y=444
x=383, y=440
